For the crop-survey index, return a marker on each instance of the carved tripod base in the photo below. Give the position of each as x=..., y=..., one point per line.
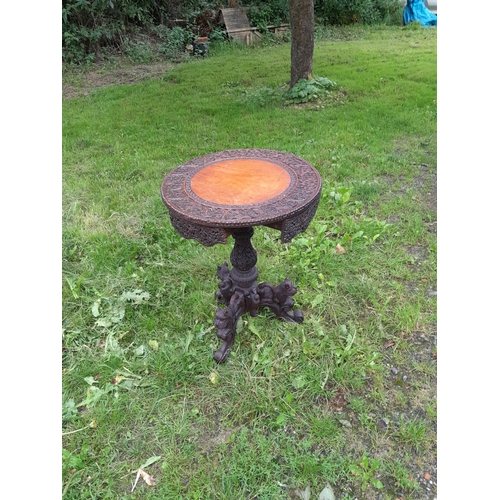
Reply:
x=239, y=291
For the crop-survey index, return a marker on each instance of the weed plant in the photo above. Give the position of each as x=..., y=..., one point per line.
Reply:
x=345, y=398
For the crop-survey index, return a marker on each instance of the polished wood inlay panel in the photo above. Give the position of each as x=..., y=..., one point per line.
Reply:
x=240, y=182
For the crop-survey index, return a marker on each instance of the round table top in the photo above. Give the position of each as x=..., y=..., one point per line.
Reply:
x=241, y=188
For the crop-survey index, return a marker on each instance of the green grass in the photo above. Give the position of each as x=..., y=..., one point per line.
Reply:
x=347, y=397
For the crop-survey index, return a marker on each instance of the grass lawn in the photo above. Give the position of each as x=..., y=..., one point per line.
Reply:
x=349, y=396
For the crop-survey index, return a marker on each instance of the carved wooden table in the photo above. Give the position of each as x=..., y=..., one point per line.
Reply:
x=228, y=193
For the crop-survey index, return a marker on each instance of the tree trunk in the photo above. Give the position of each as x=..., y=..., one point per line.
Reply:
x=302, y=26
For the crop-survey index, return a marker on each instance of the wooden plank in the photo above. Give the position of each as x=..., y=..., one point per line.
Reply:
x=242, y=30
x=275, y=28
x=237, y=24
x=235, y=19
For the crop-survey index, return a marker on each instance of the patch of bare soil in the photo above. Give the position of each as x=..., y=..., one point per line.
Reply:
x=81, y=83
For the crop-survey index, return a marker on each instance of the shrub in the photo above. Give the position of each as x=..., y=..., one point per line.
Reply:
x=342, y=12
x=262, y=14
x=309, y=90
x=90, y=25
x=173, y=41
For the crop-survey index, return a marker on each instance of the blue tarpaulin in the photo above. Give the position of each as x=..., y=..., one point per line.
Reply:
x=416, y=10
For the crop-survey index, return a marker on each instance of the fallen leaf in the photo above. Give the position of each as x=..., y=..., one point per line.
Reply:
x=345, y=423
x=95, y=308
x=137, y=296
x=327, y=493
x=339, y=248
x=303, y=495
x=427, y=476
x=213, y=377
x=150, y=480
x=117, y=379
x=388, y=343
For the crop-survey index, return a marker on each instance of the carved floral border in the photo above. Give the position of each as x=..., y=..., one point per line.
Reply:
x=294, y=205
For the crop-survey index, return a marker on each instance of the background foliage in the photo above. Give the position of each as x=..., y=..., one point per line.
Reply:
x=94, y=29
x=343, y=12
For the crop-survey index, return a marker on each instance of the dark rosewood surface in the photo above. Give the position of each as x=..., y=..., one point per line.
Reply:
x=241, y=188
x=228, y=193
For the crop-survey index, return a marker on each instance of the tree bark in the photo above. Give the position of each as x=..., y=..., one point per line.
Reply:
x=302, y=26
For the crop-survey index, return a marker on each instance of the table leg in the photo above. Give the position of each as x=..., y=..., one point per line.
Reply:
x=239, y=291
x=225, y=322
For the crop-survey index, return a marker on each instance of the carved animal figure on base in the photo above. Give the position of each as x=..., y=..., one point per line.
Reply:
x=279, y=299
x=226, y=288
